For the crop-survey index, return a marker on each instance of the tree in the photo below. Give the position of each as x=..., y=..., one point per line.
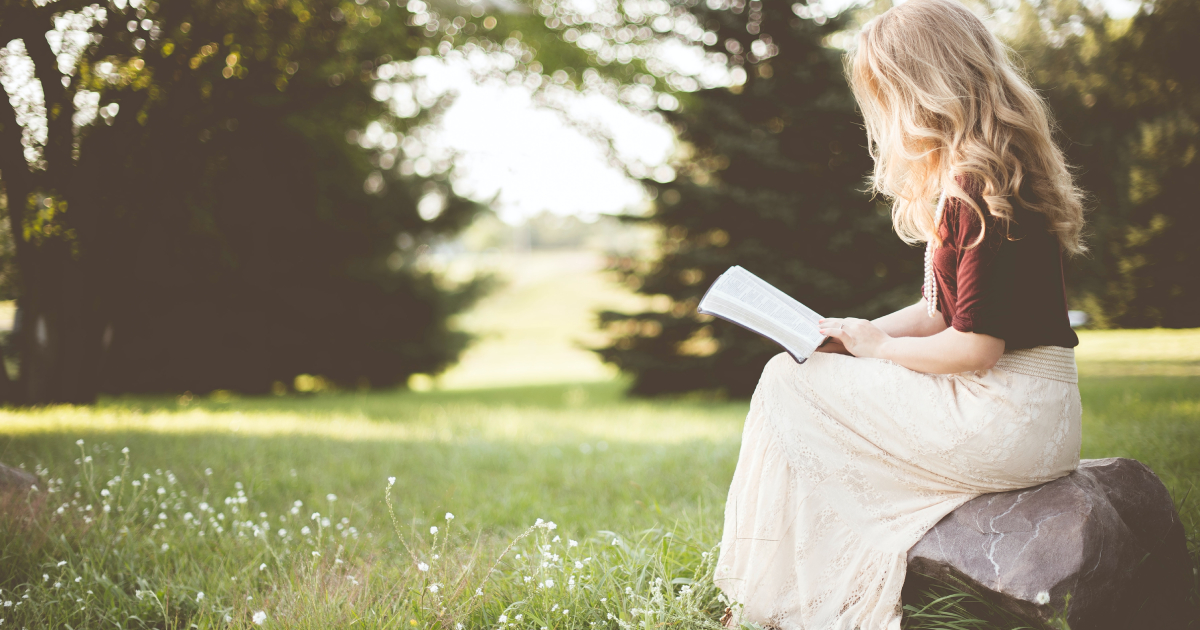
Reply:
x=1127, y=100
x=773, y=182
x=191, y=215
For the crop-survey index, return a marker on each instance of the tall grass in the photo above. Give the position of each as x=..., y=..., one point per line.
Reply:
x=235, y=472
x=113, y=545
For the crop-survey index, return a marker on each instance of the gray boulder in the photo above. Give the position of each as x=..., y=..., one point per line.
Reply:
x=1107, y=534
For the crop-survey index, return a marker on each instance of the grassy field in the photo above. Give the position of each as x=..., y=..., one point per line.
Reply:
x=225, y=508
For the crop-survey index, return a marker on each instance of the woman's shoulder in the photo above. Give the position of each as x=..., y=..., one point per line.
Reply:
x=966, y=220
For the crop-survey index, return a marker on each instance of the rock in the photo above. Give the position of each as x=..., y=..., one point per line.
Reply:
x=15, y=479
x=1107, y=534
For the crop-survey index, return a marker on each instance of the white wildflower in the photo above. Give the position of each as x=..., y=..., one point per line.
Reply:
x=391, y=481
x=433, y=588
x=200, y=596
x=61, y=563
x=502, y=618
x=433, y=530
x=262, y=567
x=79, y=442
x=572, y=543
x=331, y=497
x=1042, y=598
x=449, y=516
x=259, y=617
x=422, y=567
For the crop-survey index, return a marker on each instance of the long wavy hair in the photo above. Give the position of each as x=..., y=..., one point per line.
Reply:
x=945, y=107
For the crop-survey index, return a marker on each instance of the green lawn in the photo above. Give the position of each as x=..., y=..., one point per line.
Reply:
x=649, y=475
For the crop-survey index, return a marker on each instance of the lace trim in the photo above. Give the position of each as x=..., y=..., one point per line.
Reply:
x=1053, y=362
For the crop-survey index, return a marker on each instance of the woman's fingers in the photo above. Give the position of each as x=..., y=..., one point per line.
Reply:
x=833, y=323
x=837, y=333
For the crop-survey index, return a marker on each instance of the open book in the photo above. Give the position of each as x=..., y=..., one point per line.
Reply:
x=743, y=298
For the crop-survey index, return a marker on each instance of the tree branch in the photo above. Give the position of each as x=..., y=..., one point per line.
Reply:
x=16, y=175
x=60, y=103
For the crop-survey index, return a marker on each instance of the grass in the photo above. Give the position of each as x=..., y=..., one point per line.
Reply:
x=582, y=456
x=639, y=485
x=647, y=473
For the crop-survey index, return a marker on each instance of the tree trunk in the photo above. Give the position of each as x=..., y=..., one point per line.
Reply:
x=60, y=343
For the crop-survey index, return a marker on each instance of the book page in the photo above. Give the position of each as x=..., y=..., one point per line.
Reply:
x=748, y=301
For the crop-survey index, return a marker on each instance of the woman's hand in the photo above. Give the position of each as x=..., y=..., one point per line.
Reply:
x=833, y=346
x=859, y=337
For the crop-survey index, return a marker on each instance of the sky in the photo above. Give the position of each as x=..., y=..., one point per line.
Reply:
x=530, y=159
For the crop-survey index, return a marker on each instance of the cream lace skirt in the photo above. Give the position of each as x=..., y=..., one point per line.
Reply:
x=845, y=463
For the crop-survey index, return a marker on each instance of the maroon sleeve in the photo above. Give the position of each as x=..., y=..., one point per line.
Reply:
x=974, y=309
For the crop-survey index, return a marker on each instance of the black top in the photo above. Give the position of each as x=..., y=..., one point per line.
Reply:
x=1010, y=285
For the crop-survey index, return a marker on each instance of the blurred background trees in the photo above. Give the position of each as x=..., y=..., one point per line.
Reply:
x=225, y=195
x=1126, y=94
x=193, y=216
x=773, y=182
x=774, y=170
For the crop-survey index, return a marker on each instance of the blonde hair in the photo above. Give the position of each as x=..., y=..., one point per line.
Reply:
x=945, y=107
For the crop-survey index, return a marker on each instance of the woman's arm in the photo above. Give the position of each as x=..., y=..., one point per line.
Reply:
x=947, y=352
x=911, y=321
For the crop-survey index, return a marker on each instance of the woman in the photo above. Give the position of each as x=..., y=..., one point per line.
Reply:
x=846, y=461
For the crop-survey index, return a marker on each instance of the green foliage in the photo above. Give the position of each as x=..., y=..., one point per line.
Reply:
x=1127, y=100
x=228, y=228
x=945, y=607
x=773, y=182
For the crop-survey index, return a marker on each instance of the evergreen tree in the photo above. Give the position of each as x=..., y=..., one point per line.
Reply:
x=775, y=183
x=204, y=223
x=1127, y=98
